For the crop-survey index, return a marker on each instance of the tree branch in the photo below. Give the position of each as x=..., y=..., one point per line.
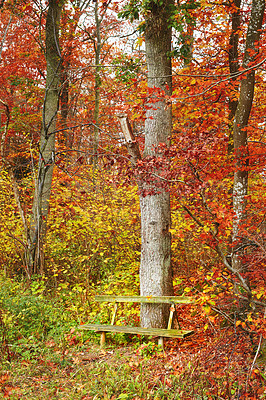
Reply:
x=131, y=143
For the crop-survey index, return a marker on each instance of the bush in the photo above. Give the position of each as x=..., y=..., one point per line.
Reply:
x=29, y=317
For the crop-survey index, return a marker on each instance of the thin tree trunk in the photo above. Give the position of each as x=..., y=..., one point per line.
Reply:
x=155, y=268
x=240, y=189
x=233, y=58
x=27, y=242
x=47, y=141
x=234, y=68
x=97, y=48
x=66, y=137
x=189, y=37
x=4, y=36
x=64, y=100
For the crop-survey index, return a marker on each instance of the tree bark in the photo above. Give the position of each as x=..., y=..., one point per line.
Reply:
x=97, y=49
x=234, y=68
x=47, y=140
x=240, y=189
x=64, y=100
x=155, y=267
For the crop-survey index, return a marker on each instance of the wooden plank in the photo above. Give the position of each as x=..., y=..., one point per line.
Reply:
x=114, y=314
x=160, y=342
x=172, y=333
x=172, y=310
x=103, y=339
x=145, y=299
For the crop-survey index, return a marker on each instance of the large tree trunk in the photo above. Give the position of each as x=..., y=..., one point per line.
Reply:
x=155, y=268
x=47, y=140
x=240, y=189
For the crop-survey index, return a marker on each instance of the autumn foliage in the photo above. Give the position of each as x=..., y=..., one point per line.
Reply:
x=92, y=244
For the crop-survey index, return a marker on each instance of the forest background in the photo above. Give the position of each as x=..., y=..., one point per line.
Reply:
x=68, y=70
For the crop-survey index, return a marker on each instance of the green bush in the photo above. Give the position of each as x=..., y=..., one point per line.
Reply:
x=29, y=317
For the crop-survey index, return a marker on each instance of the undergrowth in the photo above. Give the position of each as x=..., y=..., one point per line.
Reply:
x=44, y=356
x=116, y=374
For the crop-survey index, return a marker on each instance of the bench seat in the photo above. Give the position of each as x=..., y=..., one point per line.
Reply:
x=170, y=333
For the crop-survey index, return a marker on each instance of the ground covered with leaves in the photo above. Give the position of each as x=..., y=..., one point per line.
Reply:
x=44, y=356
x=186, y=369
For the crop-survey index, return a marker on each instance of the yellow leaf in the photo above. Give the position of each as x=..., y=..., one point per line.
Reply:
x=140, y=41
x=207, y=309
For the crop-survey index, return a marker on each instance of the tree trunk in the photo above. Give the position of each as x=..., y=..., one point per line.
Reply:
x=234, y=68
x=47, y=140
x=155, y=268
x=64, y=100
x=97, y=49
x=240, y=189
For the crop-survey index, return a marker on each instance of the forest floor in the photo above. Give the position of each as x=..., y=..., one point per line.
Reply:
x=187, y=369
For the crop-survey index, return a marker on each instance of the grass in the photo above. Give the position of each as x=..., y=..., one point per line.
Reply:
x=43, y=357
x=88, y=373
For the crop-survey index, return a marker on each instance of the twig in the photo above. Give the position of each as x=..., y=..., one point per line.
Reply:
x=255, y=358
